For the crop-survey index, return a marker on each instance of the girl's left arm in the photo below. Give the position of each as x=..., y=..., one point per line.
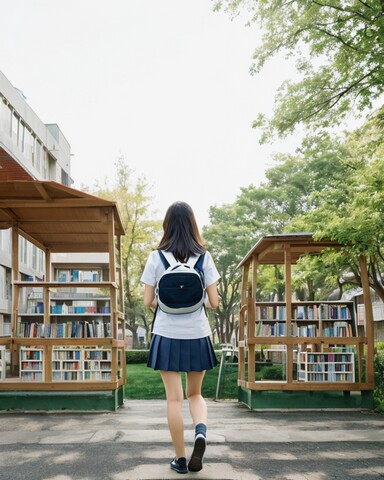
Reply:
x=149, y=296
x=213, y=296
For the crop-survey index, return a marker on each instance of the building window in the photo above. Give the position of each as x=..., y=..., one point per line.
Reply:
x=15, y=129
x=5, y=119
x=28, y=144
x=5, y=241
x=65, y=178
x=38, y=155
x=21, y=136
x=34, y=257
x=44, y=163
x=41, y=261
x=3, y=284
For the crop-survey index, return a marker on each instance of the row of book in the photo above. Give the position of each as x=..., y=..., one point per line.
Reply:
x=330, y=367
x=338, y=329
x=270, y=330
x=31, y=354
x=34, y=366
x=5, y=327
x=75, y=275
x=80, y=376
x=79, y=309
x=71, y=376
x=304, y=330
x=31, y=376
x=65, y=365
x=321, y=312
x=76, y=329
x=328, y=357
x=304, y=312
x=97, y=365
x=330, y=377
x=335, y=329
x=66, y=355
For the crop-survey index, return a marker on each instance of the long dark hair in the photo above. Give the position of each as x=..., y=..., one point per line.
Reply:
x=181, y=233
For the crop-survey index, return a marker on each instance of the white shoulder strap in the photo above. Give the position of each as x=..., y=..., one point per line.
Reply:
x=173, y=262
x=192, y=260
x=170, y=258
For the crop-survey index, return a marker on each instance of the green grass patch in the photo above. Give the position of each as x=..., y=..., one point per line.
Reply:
x=143, y=383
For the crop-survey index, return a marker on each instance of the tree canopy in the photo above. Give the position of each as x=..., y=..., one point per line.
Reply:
x=339, y=48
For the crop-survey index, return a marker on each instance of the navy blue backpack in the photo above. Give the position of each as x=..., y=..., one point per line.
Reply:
x=181, y=288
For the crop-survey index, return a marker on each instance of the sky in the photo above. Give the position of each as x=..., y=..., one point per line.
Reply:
x=164, y=84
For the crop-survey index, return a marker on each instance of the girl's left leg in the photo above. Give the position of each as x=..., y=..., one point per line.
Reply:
x=175, y=397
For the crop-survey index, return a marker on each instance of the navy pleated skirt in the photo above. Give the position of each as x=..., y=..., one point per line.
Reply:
x=171, y=354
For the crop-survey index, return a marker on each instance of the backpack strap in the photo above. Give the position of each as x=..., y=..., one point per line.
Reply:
x=168, y=259
x=199, y=264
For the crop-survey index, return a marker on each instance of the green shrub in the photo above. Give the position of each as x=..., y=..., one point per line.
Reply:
x=136, y=356
x=378, y=393
x=273, y=372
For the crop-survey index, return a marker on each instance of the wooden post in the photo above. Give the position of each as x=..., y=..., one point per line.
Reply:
x=46, y=291
x=250, y=329
x=368, y=319
x=112, y=272
x=121, y=284
x=288, y=308
x=121, y=276
x=243, y=308
x=15, y=276
x=252, y=321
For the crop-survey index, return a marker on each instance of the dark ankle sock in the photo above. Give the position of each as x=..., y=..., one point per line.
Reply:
x=201, y=428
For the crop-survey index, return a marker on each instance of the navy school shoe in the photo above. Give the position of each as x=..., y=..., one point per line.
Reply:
x=179, y=465
x=196, y=462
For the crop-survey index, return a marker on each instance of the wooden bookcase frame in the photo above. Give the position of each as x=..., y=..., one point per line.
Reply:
x=286, y=250
x=59, y=219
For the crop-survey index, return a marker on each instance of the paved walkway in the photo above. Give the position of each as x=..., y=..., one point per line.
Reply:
x=134, y=444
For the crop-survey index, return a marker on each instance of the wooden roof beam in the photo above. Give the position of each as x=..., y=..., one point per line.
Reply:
x=32, y=240
x=9, y=213
x=43, y=192
x=53, y=203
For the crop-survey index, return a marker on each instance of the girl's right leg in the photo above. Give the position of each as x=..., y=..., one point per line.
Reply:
x=197, y=404
x=198, y=409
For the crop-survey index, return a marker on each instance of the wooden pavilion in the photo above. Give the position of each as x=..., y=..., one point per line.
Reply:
x=327, y=360
x=59, y=219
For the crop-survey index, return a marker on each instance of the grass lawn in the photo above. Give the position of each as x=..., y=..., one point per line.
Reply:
x=145, y=383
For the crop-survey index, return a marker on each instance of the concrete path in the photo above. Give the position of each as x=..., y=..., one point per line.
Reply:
x=133, y=443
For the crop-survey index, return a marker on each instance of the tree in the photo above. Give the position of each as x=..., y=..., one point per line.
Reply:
x=339, y=47
x=351, y=210
x=142, y=232
x=288, y=192
x=228, y=241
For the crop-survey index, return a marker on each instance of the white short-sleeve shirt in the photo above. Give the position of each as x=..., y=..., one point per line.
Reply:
x=182, y=326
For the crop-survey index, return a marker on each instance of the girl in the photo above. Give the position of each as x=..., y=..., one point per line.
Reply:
x=181, y=342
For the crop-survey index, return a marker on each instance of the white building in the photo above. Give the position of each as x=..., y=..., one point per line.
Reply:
x=29, y=150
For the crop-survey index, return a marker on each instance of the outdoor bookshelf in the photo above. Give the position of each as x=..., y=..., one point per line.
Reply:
x=67, y=330
x=333, y=366
x=319, y=348
x=31, y=364
x=81, y=364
